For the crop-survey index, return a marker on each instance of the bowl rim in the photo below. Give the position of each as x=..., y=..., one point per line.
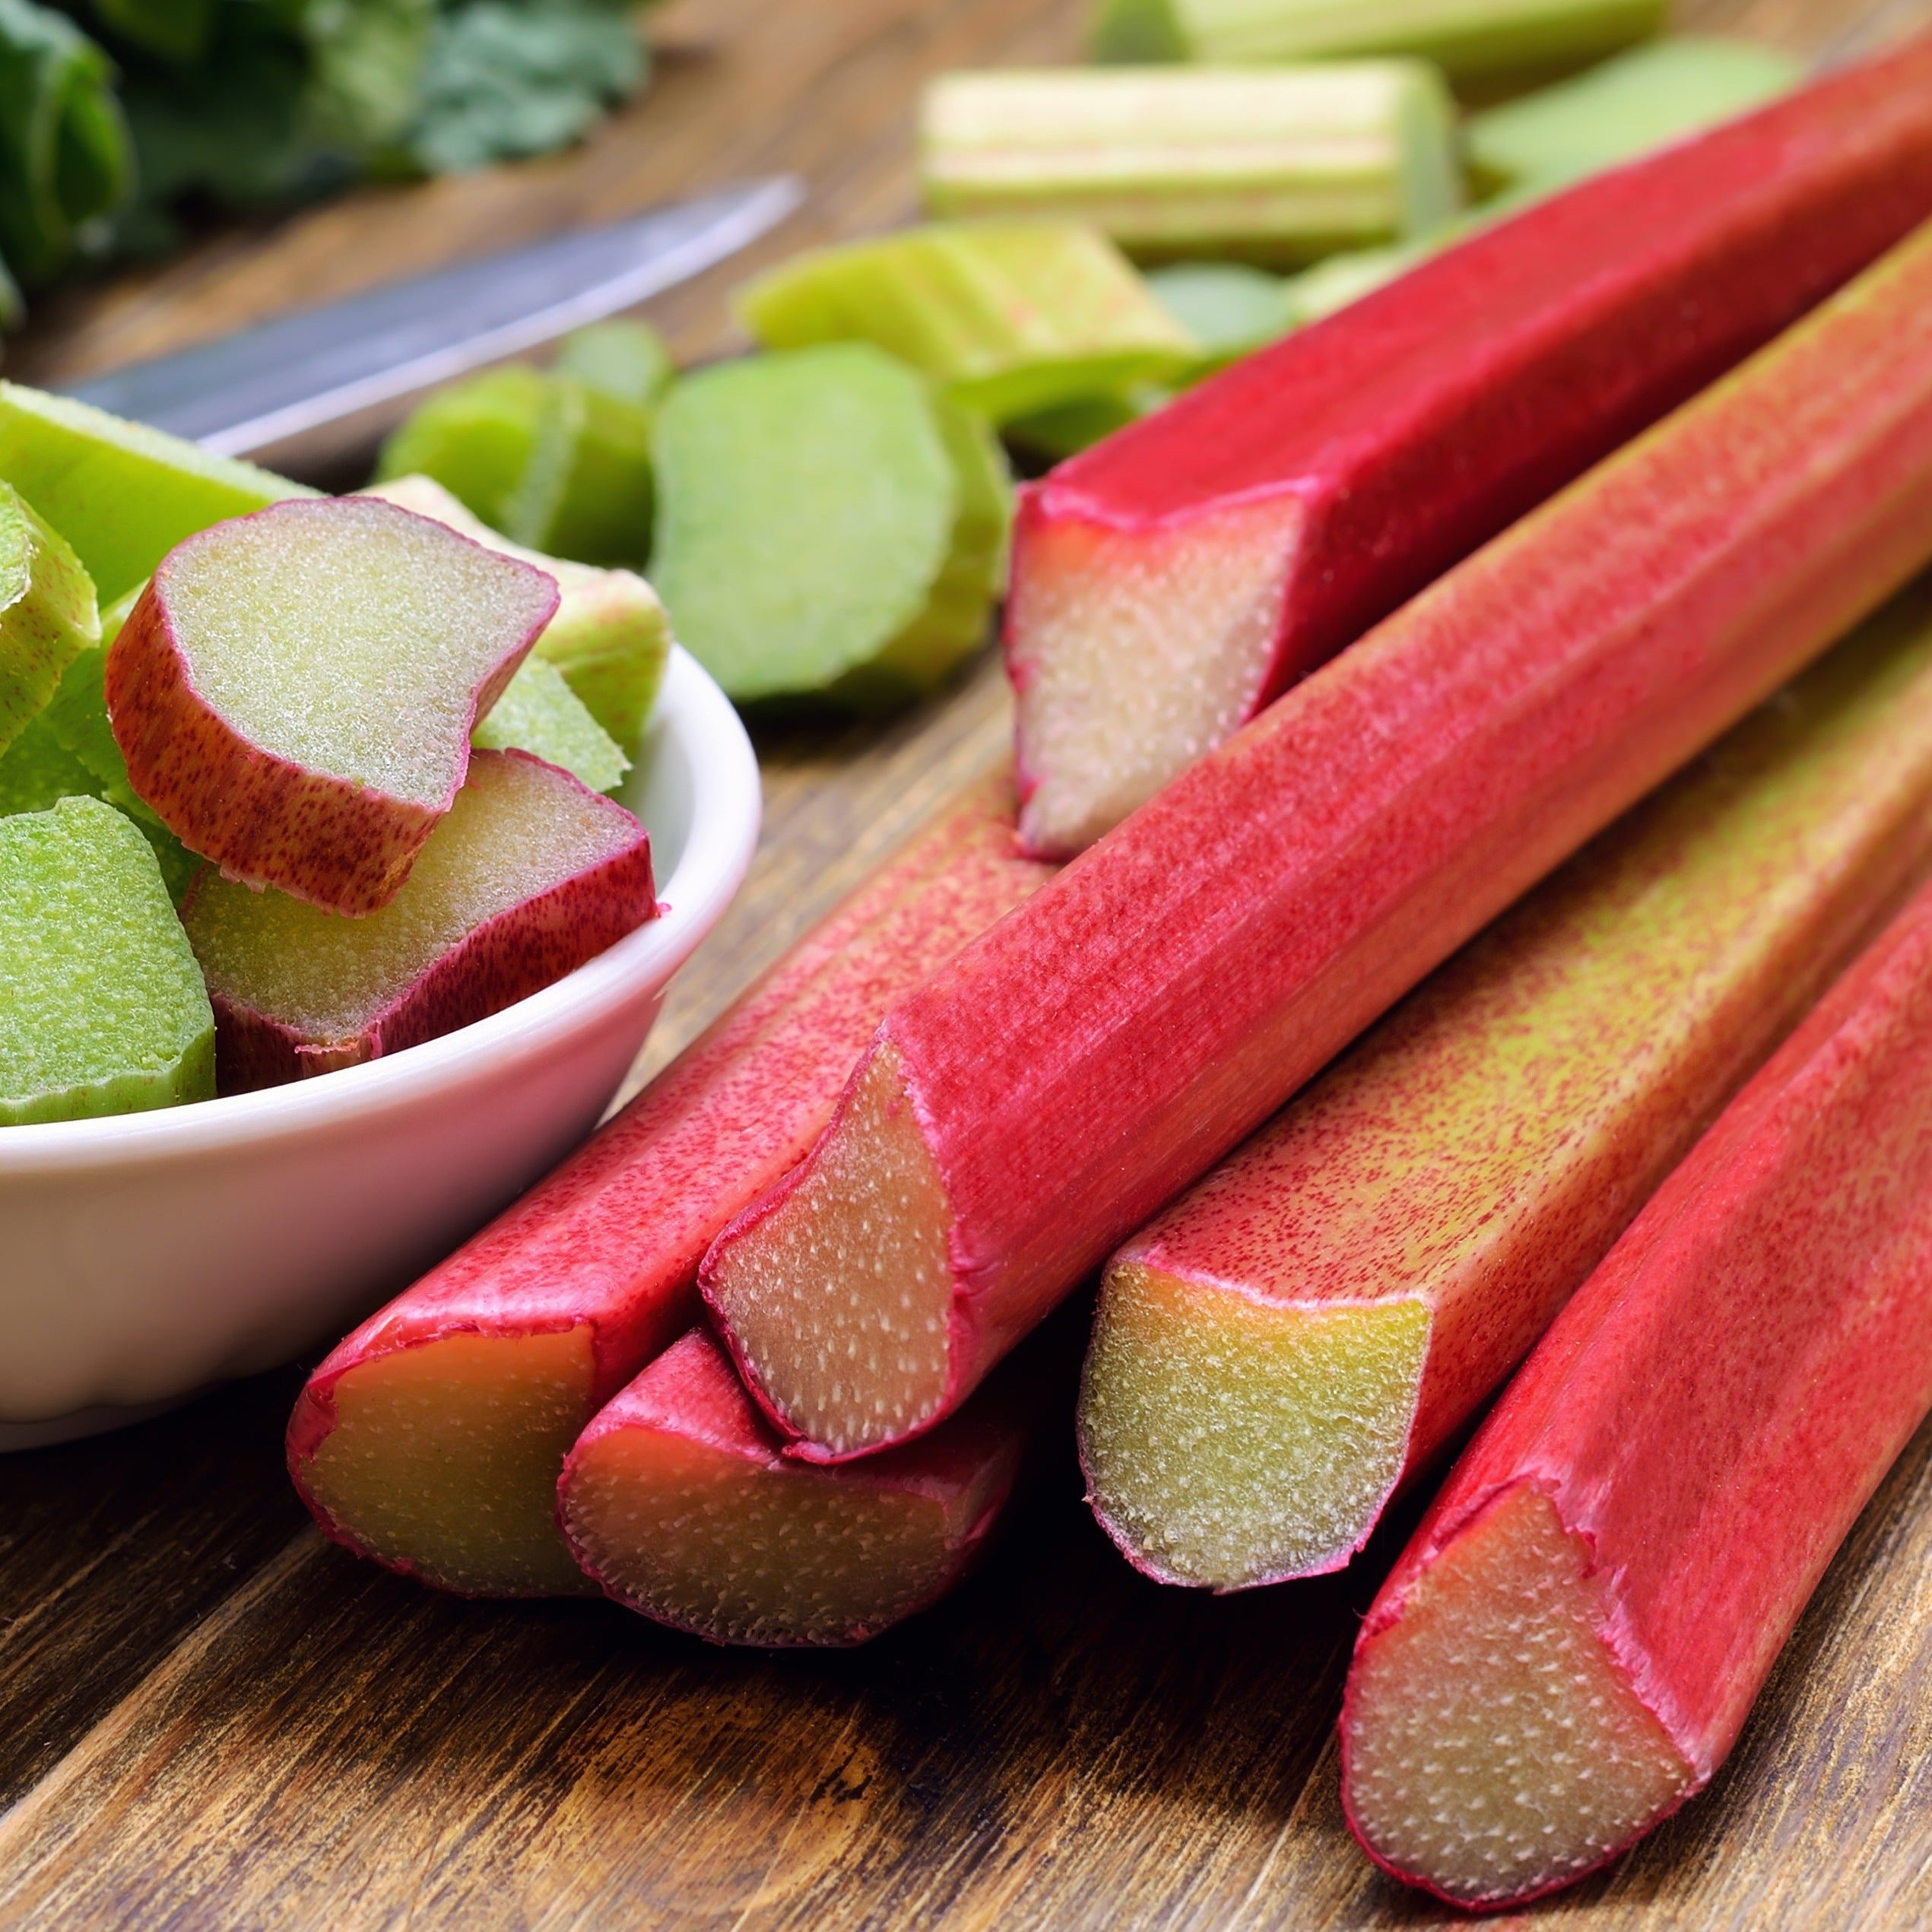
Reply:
x=722, y=835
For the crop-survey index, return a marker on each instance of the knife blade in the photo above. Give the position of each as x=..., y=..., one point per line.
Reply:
x=296, y=373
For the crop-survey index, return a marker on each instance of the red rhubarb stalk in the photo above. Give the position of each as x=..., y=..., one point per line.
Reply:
x=1170, y=582
x=431, y=1438
x=1077, y=1067
x=1306, y=1330
x=1569, y=1648
x=678, y=1502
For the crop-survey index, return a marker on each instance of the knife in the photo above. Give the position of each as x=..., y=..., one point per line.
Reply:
x=300, y=371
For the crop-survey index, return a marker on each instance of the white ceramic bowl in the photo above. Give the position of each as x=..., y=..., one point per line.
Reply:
x=146, y=1256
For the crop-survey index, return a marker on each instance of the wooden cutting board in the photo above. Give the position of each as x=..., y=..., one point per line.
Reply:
x=210, y=1718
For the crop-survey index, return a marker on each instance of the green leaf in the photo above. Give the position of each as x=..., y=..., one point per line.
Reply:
x=505, y=79
x=176, y=31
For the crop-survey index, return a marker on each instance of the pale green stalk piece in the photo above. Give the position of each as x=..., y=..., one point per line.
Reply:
x=37, y=771
x=623, y=358
x=1011, y=317
x=1468, y=39
x=585, y=492
x=539, y=713
x=826, y=527
x=1280, y=164
x=105, y=1011
x=1626, y=107
x=1226, y=306
x=474, y=437
x=121, y=494
x=609, y=638
x=48, y=616
x=1053, y=435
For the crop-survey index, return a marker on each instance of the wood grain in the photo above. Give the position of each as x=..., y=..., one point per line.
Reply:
x=211, y=1718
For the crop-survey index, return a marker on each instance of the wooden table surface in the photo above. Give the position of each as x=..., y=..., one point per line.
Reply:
x=210, y=1717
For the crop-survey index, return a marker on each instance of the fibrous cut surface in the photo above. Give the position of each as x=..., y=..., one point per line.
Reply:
x=444, y=1459
x=539, y=713
x=1201, y=1409
x=1491, y=1738
x=105, y=1012
x=871, y=1365
x=48, y=617
x=478, y=924
x=349, y=637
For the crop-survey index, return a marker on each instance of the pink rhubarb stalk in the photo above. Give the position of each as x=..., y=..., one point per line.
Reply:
x=431, y=1438
x=1569, y=1648
x=1171, y=581
x=1075, y=1068
x=678, y=1502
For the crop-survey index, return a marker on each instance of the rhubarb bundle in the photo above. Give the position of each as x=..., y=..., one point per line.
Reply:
x=1569, y=1646
x=1073, y=1070
x=677, y=1501
x=1284, y=163
x=432, y=1437
x=1311, y=1325
x=1168, y=584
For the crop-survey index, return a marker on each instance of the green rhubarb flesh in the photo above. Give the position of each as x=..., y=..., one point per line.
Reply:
x=1281, y=1347
x=106, y=1012
x=1228, y=307
x=539, y=713
x=48, y=617
x=37, y=771
x=1627, y=106
x=623, y=358
x=827, y=526
x=609, y=638
x=1285, y=164
x=1469, y=39
x=585, y=491
x=514, y=833
x=121, y=494
x=1010, y=316
x=474, y=438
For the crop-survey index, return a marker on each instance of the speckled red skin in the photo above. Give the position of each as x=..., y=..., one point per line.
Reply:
x=691, y=1391
x=1402, y=432
x=1720, y=1400
x=1611, y=1116
x=505, y=960
x=612, y=1239
x=1075, y=1068
x=342, y=845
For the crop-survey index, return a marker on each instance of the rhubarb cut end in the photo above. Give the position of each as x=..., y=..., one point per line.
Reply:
x=837, y=1295
x=752, y=1548
x=1114, y=696
x=443, y=1459
x=1493, y=1748
x=1230, y=1441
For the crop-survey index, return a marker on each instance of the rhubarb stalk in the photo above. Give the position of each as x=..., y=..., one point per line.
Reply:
x=431, y=1438
x=1310, y=1326
x=1078, y=1066
x=1569, y=1648
x=1169, y=583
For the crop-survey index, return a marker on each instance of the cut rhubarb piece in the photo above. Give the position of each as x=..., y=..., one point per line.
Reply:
x=432, y=1437
x=678, y=1503
x=1470, y=38
x=529, y=875
x=1011, y=316
x=1640, y=100
x=1071, y=1071
x=624, y=358
x=1167, y=584
x=829, y=524
x=48, y=617
x=609, y=638
x=1283, y=164
x=474, y=438
x=294, y=691
x=121, y=494
x=1568, y=1648
x=37, y=771
x=1311, y=1325
x=1228, y=307
x=105, y=1011
x=539, y=713
x=585, y=492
